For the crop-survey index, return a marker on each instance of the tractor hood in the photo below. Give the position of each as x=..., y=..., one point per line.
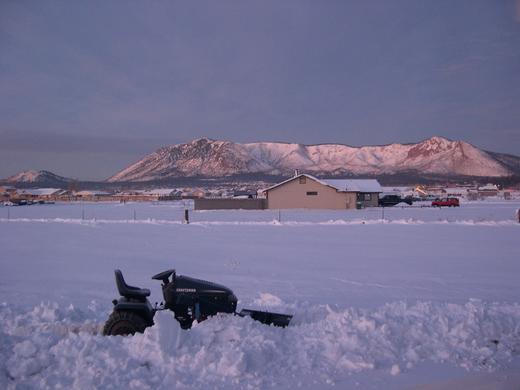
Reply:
x=187, y=284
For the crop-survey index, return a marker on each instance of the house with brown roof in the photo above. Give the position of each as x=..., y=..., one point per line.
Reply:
x=304, y=191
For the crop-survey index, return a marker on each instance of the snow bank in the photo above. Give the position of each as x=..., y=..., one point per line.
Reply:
x=340, y=222
x=48, y=347
x=267, y=300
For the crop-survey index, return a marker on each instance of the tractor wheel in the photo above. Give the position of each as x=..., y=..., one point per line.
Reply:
x=124, y=323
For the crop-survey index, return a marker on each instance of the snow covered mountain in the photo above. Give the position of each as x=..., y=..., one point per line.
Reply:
x=37, y=177
x=210, y=158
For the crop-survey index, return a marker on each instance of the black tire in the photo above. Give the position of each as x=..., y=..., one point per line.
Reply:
x=124, y=323
x=184, y=319
x=185, y=324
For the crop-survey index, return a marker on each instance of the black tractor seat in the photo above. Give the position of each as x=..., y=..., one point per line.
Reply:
x=127, y=291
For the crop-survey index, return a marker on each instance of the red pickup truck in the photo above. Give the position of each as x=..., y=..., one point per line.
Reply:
x=446, y=202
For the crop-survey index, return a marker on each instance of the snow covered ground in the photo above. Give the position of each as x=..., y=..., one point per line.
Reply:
x=424, y=298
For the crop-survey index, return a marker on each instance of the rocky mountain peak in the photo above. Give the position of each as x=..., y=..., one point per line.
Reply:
x=432, y=146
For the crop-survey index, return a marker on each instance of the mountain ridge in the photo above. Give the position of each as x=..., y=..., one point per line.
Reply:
x=37, y=177
x=204, y=158
x=215, y=158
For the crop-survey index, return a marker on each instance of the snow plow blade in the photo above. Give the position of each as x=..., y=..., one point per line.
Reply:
x=266, y=317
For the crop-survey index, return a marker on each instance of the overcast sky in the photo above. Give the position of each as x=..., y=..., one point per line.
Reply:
x=88, y=87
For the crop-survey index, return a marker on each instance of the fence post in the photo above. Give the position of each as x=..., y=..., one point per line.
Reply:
x=82, y=214
x=134, y=215
x=383, y=211
x=186, y=216
x=279, y=216
x=8, y=213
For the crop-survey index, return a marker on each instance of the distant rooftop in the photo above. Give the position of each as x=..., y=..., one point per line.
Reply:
x=161, y=192
x=40, y=191
x=91, y=193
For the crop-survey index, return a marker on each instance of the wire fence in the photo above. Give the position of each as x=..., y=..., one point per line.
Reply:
x=183, y=212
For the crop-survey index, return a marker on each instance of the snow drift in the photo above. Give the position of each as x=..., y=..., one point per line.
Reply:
x=49, y=347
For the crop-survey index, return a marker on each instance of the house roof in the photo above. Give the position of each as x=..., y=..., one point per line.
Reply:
x=91, y=193
x=456, y=189
x=355, y=185
x=343, y=185
x=488, y=187
x=291, y=179
x=161, y=192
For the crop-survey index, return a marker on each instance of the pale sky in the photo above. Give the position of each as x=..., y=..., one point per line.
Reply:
x=88, y=87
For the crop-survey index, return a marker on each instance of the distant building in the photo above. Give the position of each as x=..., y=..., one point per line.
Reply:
x=7, y=189
x=41, y=193
x=93, y=195
x=472, y=195
x=456, y=191
x=307, y=192
x=195, y=193
x=6, y=192
x=245, y=194
x=163, y=194
x=487, y=191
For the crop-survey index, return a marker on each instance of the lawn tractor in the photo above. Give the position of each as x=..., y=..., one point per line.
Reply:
x=188, y=298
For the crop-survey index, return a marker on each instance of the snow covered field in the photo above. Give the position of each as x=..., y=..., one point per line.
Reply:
x=424, y=298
